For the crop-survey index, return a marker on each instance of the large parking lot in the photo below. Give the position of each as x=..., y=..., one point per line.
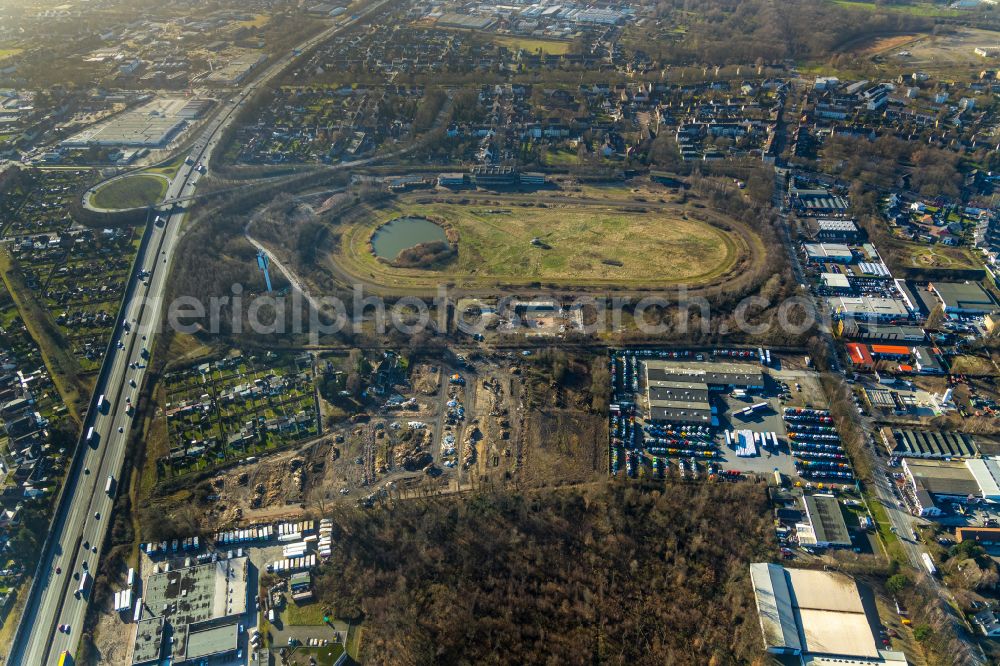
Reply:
x=782, y=417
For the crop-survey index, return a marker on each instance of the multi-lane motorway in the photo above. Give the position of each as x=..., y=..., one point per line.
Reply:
x=55, y=609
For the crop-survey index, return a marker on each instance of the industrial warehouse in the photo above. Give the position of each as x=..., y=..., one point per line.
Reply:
x=818, y=616
x=826, y=526
x=192, y=613
x=152, y=125
x=679, y=392
x=953, y=479
x=928, y=443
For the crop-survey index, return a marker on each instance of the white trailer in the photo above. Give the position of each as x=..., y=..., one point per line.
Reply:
x=928, y=564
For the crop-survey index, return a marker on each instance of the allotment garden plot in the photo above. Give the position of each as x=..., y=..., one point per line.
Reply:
x=237, y=408
x=78, y=274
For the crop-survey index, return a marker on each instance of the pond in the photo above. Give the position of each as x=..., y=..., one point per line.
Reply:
x=403, y=233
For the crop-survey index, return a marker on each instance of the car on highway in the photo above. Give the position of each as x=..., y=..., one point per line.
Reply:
x=86, y=470
x=97, y=515
x=121, y=429
x=86, y=545
x=64, y=628
x=131, y=382
x=58, y=570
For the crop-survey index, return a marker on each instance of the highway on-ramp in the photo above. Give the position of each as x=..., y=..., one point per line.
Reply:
x=56, y=606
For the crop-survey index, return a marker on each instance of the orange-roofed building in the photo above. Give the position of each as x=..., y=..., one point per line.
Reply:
x=860, y=357
x=985, y=536
x=891, y=351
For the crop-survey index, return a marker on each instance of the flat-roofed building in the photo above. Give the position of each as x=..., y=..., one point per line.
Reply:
x=453, y=179
x=929, y=443
x=152, y=125
x=925, y=362
x=836, y=282
x=986, y=472
x=494, y=176
x=818, y=616
x=192, y=613
x=822, y=252
x=945, y=478
x=987, y=537
x=837, y=230
x=678, y=392
x=817, y=201
x=860, y=330
x=465, y=21
x=895, y=352
x=964, y=298
x=715, y=375
x=869, y=308
x=826, y=524
x=677, y=411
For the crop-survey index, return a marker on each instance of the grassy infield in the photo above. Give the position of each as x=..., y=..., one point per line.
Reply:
x=131, y=192
x=584, y=243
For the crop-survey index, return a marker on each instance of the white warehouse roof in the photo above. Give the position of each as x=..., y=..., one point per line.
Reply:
x=818, y=615
x=774, y=607
x=986, y=472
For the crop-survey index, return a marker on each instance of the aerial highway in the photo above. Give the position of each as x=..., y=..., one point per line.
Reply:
x=57, y=601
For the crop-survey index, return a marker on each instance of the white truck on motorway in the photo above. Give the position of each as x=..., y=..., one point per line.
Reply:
x=84, y=585
x=928, y=564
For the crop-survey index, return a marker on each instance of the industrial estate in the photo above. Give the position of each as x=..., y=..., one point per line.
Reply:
x=402, y=332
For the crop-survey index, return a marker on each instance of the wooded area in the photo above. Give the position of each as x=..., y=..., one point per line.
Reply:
x=612, y=573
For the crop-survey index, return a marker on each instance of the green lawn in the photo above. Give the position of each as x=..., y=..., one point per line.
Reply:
x=917, y=9
x=303, y=615
x=561, y=158
x=324, y=656
x=547, y=46
x=130, y=192
x=168, y=169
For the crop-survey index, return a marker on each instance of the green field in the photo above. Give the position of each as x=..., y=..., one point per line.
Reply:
x=324, y=656
x=308, y=614
x=547, y=46
x=917, y=9
x=168, y=169
x=593, y=243
x=130, y=192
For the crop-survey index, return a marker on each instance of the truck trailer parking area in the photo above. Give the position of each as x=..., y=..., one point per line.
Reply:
x=720, y=414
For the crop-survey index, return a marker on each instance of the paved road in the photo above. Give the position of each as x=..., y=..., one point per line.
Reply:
x=900, y=519
x=82, y=515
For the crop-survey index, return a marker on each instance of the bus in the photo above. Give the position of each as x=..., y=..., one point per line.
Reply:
x=102, y=403
x=65, y=658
